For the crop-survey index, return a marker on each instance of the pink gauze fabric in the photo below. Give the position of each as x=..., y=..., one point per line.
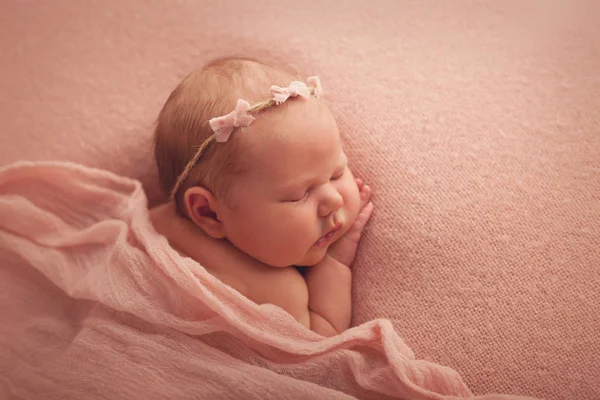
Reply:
x=95, y=304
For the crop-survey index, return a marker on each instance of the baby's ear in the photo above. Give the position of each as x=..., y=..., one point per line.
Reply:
x=200, y=205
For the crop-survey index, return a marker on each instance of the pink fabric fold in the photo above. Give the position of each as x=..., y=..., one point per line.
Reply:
x=95, y=304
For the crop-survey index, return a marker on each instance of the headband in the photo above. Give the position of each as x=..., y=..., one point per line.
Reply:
x=224, y=126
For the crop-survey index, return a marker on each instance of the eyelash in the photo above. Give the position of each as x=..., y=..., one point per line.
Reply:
x=338, y=176
x=305, y=196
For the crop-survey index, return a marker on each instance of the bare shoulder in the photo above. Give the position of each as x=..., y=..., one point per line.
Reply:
x=263, y=284
x=189, y=241
x=283, y=287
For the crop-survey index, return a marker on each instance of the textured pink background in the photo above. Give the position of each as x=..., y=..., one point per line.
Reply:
x=477, y=123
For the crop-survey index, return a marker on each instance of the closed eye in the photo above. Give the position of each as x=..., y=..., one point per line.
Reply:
x=338, y=175
x=299, y=199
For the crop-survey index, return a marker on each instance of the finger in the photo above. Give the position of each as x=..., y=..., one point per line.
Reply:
x=363, y=217
x=365, y=195
x=365, y=213
x=359, y=183
x=358, y=227
x=365, y=190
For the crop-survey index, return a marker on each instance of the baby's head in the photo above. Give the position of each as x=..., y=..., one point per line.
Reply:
x=278, y=187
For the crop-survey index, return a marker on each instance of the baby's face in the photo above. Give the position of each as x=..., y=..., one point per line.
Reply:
x=298, y=196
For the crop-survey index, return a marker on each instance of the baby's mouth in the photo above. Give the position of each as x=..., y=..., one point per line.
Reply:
x=328, y=236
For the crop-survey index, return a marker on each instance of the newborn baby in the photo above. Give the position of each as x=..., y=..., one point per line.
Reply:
x=260, y=185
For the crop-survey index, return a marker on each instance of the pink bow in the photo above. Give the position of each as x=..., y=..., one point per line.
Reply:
x=296, y=88
x=225, y=125
x=315, y=82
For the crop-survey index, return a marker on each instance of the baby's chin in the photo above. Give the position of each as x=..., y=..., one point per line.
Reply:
x=316, y=257
x=308, y=260
x=313, y=258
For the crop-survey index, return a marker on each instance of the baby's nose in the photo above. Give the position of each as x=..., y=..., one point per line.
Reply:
x=332, y=201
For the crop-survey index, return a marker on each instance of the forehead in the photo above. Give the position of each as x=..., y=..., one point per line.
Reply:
x=297, y=137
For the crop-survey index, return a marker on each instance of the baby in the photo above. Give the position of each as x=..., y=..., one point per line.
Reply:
x=260, y=185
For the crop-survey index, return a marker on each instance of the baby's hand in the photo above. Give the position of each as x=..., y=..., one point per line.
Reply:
x=344, y=250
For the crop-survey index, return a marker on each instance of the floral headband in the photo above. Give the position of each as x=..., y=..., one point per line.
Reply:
x=241, y=116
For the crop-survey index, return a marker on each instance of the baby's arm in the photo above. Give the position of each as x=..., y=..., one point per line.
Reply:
x=329, y=300
x=330, y=281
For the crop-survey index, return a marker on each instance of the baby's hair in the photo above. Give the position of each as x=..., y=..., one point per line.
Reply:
x=183, y=139
x=256, y=108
